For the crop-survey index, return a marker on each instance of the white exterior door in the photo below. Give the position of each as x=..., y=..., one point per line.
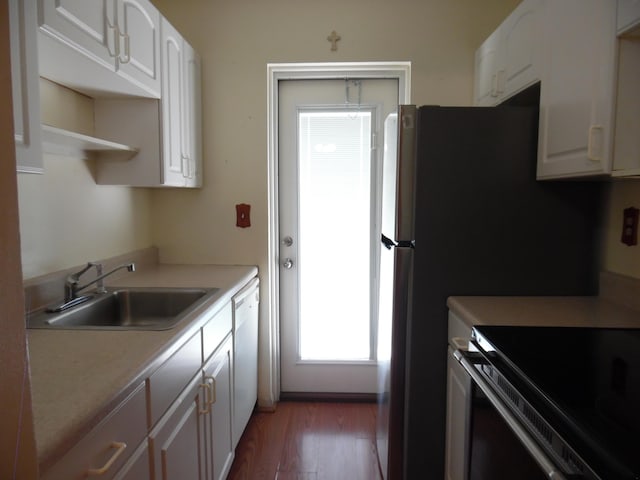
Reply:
x=329, y=207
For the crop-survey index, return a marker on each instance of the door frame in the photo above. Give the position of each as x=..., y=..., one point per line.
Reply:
x=277, y=72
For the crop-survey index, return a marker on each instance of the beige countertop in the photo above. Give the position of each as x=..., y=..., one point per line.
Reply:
x=78, y=376
x=543, y=311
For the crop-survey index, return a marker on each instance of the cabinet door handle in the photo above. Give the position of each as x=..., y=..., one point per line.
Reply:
x=494, y=85
x=186, y=166
x=500, y=76
x=113, y=34
x=592, y=141
x=127, y=51
x=213, y=389
x=207, y=402
x=120, y=447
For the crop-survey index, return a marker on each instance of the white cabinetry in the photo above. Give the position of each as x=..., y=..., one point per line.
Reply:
x=101, y=47
x=25, y=88
x=577, y=91
x=509, y=60
x=218, y=421
x=626, y=147
x=109, y=450
x=628, y=15
x=177, y=444
x=245, y=347
x=458, y=405
x=486, y=71
x=167, y=132
x=180, y=109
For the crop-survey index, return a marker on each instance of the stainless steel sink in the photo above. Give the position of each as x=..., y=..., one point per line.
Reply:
x=127, y=309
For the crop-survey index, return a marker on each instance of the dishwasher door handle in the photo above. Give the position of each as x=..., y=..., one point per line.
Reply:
x=550, y=469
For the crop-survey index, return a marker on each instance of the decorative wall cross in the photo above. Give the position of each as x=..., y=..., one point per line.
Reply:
x=334, y=38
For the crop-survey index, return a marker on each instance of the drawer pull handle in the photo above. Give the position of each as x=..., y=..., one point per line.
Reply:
x=120, y=447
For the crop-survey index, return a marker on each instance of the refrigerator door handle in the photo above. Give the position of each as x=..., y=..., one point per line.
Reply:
x=387, y=242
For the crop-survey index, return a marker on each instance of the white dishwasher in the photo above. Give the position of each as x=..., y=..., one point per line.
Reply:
x=245, y=348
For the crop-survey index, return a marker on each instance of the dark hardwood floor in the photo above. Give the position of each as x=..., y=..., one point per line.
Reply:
x=309, y=441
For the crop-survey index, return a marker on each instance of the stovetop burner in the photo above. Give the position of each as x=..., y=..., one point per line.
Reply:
x=587, y=379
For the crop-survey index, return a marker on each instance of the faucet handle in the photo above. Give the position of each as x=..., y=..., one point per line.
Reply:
x=75, y=277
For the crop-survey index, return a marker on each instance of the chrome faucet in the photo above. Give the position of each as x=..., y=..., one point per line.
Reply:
x=71, y=287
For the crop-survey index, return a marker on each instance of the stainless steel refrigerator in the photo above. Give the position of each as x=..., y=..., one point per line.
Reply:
x=463, y=215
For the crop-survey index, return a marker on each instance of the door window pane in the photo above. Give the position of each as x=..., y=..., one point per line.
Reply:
x=335, y=234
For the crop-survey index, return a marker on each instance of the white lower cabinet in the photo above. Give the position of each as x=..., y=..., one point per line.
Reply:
x=137, y=467
x=177, y=443
x=218, y=421
x=458, y=404
x=107, y=450
x=176, y=425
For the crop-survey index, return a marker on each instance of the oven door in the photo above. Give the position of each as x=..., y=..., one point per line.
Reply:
x=499, y=445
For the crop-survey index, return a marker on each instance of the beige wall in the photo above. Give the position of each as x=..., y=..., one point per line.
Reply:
x=237, y=39
x=65, y=218
x=618, y=257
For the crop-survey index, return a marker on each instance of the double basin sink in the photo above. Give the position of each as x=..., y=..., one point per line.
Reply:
x=127, y=309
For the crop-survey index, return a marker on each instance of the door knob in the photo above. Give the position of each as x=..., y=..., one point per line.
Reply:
x=287, y=241
x=288, y=263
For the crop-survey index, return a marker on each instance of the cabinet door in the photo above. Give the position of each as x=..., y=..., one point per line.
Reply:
x=521, y=49
x=628, y=15
x=139, y=43
x=25, y=87
x=88, y=27
x=577, y=89
x=172, y=105
x=192, y=131
x=137, y=468
x=177, y=443
x=486, y=71
x=458, y=407
x=219, y=437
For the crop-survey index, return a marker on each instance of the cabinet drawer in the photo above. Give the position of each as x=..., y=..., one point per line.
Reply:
x=215, y=331
x=109, y=445
x=166, y=383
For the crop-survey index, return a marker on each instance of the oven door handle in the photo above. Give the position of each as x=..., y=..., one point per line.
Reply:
x=550, y=469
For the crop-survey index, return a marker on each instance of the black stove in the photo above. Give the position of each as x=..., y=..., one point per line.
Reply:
x=584, y=382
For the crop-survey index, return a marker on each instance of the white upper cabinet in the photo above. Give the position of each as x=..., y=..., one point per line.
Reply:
x=486, y=71
x=626, y=146
x=181, y=117
x=138, y=43
x=173, y=59
x=192, y=137
x=577, y=90
x=628, y=15
x=101, y=47
x=509, y=60
x=25, y=86
x=167, y=131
